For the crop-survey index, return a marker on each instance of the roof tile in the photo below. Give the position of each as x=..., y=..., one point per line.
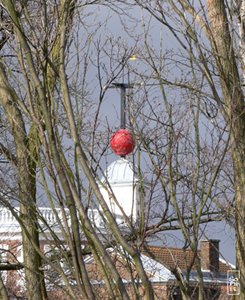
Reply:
x=176, y=257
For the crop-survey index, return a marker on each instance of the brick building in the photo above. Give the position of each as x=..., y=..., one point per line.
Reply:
x=161, y=264
x=214, y=268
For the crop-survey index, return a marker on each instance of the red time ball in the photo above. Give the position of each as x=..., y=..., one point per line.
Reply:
x=122, y=142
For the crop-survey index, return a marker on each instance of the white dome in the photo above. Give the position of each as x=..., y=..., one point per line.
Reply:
x=125, y=187
x=120, y=171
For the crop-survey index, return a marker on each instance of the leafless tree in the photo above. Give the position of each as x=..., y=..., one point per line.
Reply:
x=57, y=138
x=208, y=53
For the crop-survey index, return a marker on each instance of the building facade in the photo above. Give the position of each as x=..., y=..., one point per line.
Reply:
x=120, y=188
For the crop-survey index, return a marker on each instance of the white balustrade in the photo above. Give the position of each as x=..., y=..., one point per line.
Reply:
x=48, y=217
x=6, y=217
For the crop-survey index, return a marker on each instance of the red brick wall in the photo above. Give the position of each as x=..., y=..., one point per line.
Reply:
x=210, y=255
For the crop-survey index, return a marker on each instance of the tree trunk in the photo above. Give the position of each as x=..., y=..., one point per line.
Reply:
x=26, y=157
x=26, y=168
x=234, y=113
x=3, y=291
x=239, y=172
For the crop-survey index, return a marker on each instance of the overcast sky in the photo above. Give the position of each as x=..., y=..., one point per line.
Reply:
x=110, y=110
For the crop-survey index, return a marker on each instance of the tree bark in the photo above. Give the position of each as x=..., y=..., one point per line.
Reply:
x=26, y=167
x=234, y=112
x=3, y=291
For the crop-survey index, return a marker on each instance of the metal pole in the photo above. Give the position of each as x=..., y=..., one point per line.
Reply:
x=123, y=87
x=123, y=106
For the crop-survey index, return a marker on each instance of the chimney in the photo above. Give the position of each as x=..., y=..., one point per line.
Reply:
x=210, y=255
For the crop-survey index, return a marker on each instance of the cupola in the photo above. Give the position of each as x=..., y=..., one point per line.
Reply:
x=120, y=189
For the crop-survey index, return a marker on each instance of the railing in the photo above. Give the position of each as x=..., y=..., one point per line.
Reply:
x=6, y=217
x=46, y=217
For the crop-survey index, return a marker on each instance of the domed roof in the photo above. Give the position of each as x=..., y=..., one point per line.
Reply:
x=120, y=171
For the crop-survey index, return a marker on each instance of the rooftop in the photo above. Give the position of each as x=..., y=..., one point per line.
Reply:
x=177, y=257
